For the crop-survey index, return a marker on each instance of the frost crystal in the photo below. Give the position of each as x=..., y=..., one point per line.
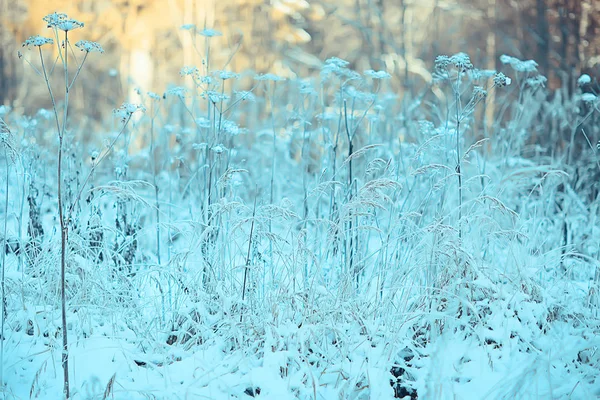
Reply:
x=37, y=41
x=89, y=47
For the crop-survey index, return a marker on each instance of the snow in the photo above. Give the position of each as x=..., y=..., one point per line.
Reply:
x=584, y=79
x=588, y=97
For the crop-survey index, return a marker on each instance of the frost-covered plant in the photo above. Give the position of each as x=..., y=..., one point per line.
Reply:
x=61, y=25
x=9, y=149
x=457, y=70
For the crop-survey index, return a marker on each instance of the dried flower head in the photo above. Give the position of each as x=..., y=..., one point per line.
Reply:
x=214, y=96
x=462, y=62
x=536, y=81
x=209, y=33
x=441, y=63
x=231, y=128
x=336, y=62
x=89, y=47
x=479, y=93
x=245, y=95
x=377, y=74
x=224, y=75
x=126, y=111
x=188, y=70
x=269, y=77
x=519, y=65
x=501, y=80
x=62, y=22
x=37, y=41
x=176, y=91
x=54, y=19
x=154, y=96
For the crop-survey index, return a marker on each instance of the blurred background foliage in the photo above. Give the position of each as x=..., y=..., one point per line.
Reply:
x=146, y=47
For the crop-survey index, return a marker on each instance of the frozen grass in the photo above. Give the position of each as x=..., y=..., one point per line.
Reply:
x=311, y=238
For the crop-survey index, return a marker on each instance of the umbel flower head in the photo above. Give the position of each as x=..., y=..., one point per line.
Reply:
x=89, y=47
x=62, y=22
x=501, y=80
x=206, y=32
x=460, y=61
x=377, y=74
x=269, y=77
x=126, y=110
x=37, y=41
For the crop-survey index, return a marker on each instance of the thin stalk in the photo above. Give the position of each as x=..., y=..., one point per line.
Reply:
x=350, y=194
x=2, y=281
x=458, y=157
x=63, y=233
x=271, y=195
x=247, y=266
x=155, y=184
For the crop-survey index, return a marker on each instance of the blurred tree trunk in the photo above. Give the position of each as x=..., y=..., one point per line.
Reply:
x=7, y=58
x=137, y=64
x=543, y=35
x=491, y=62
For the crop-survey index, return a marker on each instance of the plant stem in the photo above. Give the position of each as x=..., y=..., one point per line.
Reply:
x=247, y=266
x=2, y=282
x=63, y=232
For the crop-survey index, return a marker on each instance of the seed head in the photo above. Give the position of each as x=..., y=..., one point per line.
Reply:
x=37, y=41
x=501, y=80
x=89, y=47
